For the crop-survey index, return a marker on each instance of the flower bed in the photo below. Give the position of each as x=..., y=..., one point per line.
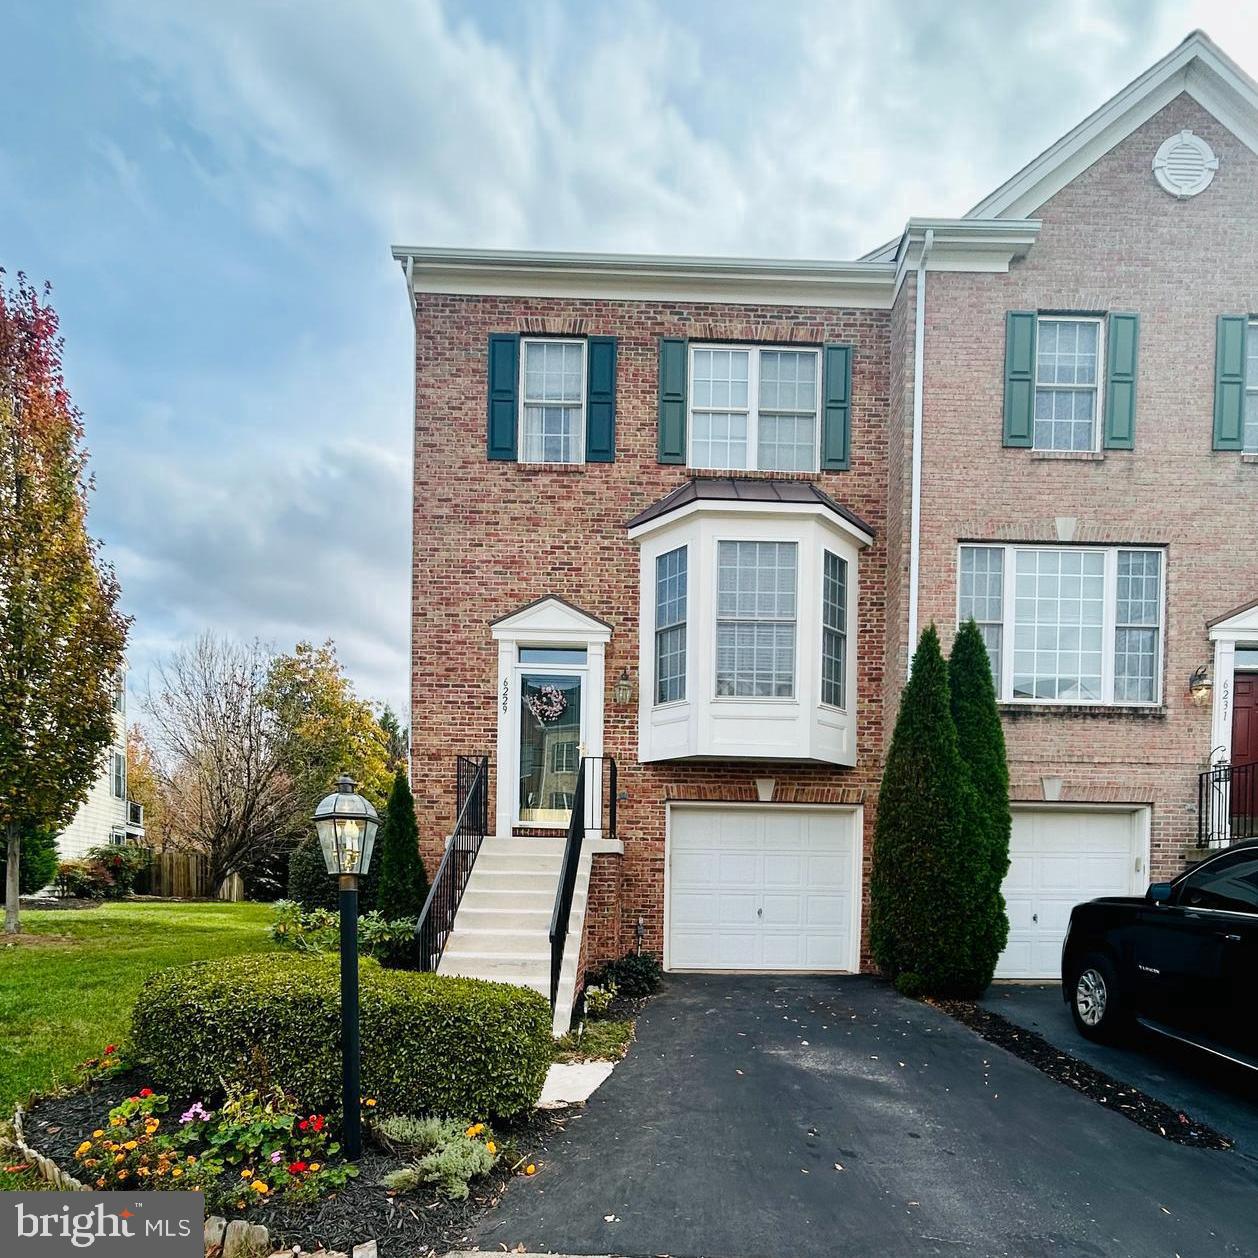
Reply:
x=316, y=1205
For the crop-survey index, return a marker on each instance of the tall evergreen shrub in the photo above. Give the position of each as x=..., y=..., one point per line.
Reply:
x=930, y=859
x=403, y=882
x=981, y=741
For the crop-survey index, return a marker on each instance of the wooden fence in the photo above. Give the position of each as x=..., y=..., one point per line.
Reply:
x=186, y=876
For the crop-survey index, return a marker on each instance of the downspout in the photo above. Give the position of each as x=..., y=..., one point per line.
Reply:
x=915, y=523
x=410, y=672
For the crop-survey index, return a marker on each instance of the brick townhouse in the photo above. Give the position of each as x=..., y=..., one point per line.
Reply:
x=687, y=515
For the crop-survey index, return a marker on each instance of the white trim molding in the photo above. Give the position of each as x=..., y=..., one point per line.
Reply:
x=549, y=622
x=1238, y=629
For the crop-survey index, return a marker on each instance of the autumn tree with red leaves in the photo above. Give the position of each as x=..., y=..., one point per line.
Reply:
x=61, y=635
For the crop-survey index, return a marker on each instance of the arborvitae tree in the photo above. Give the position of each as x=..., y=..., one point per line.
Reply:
x=403, y=882
x=981, y=741
x=929, y=858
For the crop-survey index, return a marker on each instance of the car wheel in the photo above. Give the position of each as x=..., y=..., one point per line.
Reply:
x=1096, y=1003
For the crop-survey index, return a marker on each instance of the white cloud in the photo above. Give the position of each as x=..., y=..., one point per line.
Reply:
x=800, y=128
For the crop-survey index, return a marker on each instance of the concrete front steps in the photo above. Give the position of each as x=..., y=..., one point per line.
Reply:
x=502, y=928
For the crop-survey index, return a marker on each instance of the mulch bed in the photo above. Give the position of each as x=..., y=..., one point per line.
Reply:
x=69, y=902
x=1153, y=1115
x=402, y=1226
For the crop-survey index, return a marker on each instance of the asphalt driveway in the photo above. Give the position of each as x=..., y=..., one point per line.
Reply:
x=724, y=1131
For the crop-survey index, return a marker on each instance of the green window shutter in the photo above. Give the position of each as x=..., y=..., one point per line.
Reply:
x=1229, y=382
x=836, y=419
x=600, y=400
x=504, y=386
x=1122, y=350
x=672, y=438
x=1019, y=377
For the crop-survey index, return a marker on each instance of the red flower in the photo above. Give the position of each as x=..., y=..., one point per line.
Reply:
x=303, y=1124
x=146, y=1091
x=296, y=1168
x=317, y=1122
x=110, y=1048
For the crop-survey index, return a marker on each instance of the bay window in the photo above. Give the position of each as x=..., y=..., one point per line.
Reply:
x=755, y=620
x=670, y=626
x=834, y=631
x=1067, y=624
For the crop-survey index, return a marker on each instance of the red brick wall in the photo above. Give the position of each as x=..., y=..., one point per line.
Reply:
x=1111, y=240
x=490, y=537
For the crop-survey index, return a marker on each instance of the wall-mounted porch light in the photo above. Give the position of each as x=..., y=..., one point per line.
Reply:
x=1200, y=686
x=622, y=691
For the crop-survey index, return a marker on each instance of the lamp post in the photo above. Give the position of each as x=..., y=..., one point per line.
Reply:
x=347, y=825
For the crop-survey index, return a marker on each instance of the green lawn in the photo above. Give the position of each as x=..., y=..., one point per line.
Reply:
x=67, y=995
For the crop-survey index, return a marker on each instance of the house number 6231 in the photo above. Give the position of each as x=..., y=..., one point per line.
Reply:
x=505, y=688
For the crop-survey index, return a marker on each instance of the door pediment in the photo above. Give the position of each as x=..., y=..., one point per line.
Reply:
x=550, y=619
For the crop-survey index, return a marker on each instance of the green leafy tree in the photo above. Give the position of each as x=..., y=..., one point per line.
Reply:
x=929, y=859
x=327, y=729
x=981, y=741
x=61, y=635
x=397, y=739
x=403, y=882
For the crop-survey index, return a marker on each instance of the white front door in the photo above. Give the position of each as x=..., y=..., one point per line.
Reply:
x=1060, y=857
x=762, y=888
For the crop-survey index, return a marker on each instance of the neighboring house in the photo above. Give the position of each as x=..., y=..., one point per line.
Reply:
x=712, y=502
x=106, y=815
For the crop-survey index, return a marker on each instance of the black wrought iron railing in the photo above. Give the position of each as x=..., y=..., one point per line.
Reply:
x=471, y=780
x=593, y=812
x=1227, y=804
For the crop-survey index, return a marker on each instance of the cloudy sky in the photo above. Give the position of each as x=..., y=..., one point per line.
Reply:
x=212, y=188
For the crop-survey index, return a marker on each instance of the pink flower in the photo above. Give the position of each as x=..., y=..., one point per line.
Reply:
x=276, y=1158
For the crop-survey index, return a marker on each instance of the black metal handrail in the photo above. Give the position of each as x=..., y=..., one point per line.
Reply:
x=591, y=813
x=471, y=782
x=1227, y=804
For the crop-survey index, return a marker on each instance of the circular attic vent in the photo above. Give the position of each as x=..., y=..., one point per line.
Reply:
x=1185, y=164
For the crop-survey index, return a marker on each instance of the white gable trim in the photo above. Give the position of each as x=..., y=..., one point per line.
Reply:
x=1198, y=66
x=550, y=621
x=1241, y=625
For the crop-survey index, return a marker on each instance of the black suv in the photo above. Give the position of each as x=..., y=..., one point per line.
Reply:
x=1182, y=961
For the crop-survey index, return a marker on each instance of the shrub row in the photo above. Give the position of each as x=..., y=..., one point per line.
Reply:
x=430, y=1044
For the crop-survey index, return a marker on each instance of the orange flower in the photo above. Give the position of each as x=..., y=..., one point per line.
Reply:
x=530, y=1169
x=246, y=1173
x=259, y=1187
x=175, y=1174
x=490, y=1147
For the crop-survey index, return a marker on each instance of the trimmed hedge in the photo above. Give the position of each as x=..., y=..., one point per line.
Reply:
x=430, y=1045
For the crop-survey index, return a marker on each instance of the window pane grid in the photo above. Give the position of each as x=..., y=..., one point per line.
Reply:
x=670, y=626
x=1067, y=366
x=754, y=409
x=1138, y=614
x=981, y=598
x=755, y=631
x=553, y=401
x=1059, y=610
x=834, y=631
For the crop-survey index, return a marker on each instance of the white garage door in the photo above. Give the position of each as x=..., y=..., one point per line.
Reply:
x=760, y=888
x=1059, y=858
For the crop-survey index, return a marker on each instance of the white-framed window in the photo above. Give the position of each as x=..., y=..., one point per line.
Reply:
x=117, y=837
x=1077, y=624
x=1249, y=442
x=754, y=408
x=670, y=626
x=1069, y=353
x=118, y=775
x=755, y=620
x=120, y=691
x=834, y=630
x=552, y=401
x=980, y=597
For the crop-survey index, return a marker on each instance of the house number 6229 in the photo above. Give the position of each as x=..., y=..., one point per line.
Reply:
x=505, y=687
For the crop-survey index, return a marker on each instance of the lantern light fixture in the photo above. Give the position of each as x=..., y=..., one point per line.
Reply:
x=1200, y=686
x=347, y=825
